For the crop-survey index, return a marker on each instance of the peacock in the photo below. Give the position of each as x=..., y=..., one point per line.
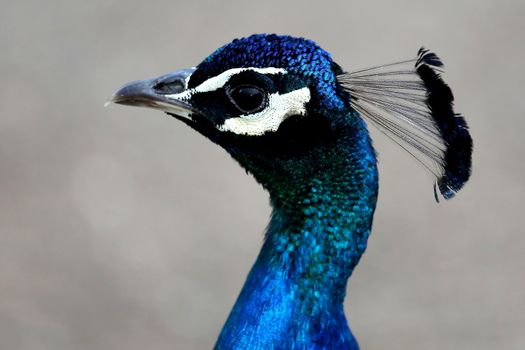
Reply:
x=297, y=121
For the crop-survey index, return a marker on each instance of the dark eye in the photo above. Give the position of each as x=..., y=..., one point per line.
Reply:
x=247, y=98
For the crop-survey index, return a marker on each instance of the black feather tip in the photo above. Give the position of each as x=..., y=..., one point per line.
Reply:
x=453, y=128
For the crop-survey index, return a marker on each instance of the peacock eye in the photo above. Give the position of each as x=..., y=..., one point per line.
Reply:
x=247, y=98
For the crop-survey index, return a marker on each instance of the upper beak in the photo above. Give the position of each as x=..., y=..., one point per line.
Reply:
x=166, y=93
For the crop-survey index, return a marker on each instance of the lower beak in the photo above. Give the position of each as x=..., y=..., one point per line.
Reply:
x=158, y=93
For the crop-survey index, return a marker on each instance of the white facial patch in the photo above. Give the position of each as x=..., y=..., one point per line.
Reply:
x=217, y=82
x=279, y=108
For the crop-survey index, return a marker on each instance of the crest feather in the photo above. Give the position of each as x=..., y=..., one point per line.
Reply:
x=410, y=103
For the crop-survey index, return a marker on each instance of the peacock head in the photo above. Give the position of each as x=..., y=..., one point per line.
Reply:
x=271, y=101
x=280, y=105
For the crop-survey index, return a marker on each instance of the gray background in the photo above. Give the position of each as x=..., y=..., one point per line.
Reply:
x=122, y=229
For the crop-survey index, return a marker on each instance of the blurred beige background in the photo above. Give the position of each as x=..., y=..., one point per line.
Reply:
x=114, y=222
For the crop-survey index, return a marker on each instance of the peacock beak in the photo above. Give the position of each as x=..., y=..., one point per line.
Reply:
x=166, y=93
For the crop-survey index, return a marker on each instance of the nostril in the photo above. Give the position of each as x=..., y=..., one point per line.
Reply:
x=167, y=87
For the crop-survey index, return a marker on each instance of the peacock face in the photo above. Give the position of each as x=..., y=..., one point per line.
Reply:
x=260, y=94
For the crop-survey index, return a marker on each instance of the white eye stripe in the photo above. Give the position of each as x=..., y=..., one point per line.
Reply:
x=279, y=108
x=218, y=81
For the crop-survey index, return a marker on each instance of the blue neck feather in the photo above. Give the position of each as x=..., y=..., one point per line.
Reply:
x=321, y=219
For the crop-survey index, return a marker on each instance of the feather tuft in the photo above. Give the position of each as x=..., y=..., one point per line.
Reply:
x=452, y=126
x=410, y=103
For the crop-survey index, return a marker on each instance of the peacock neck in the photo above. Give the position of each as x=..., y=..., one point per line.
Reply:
x=293, y=296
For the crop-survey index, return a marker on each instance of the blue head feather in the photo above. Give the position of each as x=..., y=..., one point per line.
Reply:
x=297, y=55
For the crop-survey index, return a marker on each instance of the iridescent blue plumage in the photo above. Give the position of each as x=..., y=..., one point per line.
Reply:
x=322, y=215
x=297, y=55
x=323, y=201
x=288, y=114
